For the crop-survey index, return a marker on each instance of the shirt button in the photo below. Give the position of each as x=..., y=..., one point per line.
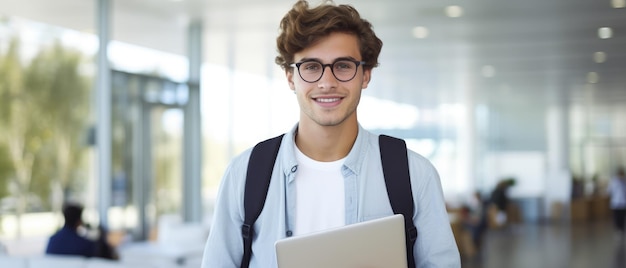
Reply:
x=294, y=168
x=289, y=233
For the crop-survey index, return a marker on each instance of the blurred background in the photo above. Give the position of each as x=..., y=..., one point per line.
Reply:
x=142, y=130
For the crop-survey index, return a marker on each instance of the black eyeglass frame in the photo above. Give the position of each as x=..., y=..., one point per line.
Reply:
x=356, y=69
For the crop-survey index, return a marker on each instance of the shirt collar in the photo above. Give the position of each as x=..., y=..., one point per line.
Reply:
x=353, y=162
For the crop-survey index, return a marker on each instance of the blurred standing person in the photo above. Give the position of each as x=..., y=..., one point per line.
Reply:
x=500, y=199
x=617, y=192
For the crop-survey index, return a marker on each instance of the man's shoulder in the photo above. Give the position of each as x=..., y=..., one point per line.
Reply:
x=66, y=234
x=69, y=242
x=238, y=165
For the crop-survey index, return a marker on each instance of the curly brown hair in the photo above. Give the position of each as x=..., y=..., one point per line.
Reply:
x=303, y=26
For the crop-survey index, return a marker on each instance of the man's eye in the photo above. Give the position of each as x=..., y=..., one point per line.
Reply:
x=343, y=66
x=311, y=67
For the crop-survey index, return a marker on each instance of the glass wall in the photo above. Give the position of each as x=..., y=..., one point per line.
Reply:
x=598, y=144
x=47, y=145
x=147, y=150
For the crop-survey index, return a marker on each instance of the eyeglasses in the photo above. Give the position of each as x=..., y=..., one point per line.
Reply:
x=312, y=70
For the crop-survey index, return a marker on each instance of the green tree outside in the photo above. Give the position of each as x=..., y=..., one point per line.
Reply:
x=44, y=113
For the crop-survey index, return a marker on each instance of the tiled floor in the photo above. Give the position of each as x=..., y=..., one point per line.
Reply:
x=552, y=245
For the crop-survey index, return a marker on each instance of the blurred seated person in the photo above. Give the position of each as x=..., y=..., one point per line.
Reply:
x=68, y=241
x=473, y=217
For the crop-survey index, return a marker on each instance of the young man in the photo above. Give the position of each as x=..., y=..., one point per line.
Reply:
x=328, y=172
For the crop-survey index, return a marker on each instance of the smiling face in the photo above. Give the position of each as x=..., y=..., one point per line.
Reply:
x=328, y=101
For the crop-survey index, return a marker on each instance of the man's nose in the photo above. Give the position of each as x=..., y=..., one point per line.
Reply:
x=328, y=79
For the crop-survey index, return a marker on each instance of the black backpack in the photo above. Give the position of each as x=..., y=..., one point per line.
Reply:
x=395, y=164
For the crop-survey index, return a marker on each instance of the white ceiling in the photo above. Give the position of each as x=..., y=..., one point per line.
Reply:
x=541, y=51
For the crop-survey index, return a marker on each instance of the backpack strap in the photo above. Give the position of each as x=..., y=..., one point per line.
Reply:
x=258, y=176
x=393, y=155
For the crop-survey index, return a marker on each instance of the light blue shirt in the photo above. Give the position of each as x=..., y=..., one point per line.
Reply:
x=365, y=199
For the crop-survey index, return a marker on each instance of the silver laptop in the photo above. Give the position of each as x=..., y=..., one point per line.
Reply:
x=375, y=243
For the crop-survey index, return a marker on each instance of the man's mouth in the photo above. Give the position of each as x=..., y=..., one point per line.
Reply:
x=327, y=100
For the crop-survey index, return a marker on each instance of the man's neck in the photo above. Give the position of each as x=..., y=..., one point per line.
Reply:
x=326, y=143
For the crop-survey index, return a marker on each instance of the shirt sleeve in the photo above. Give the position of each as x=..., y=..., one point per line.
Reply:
x=224, y=246
x=435, y=245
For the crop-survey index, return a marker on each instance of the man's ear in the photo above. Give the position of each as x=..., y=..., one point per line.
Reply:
x=367, y=76
x=289, y=75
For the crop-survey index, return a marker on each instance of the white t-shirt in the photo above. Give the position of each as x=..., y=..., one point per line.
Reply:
x=320, y=195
